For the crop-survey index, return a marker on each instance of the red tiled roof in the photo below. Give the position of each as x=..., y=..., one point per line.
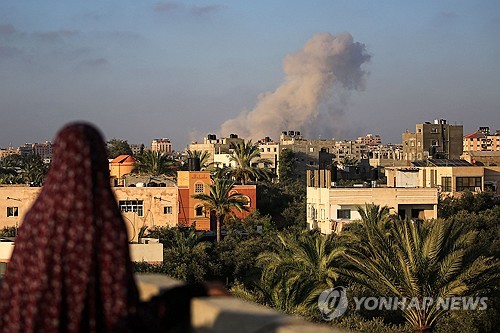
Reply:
x=475, y=135
x=124, y=159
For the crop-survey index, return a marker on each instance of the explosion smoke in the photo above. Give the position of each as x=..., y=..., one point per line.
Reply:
x=311, y=98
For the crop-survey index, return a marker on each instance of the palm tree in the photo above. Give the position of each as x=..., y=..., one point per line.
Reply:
x=155, y=163
x=297, y=270
x=221, y=202
x=203, y=155
x=33, y=169
x=414, y=260
x=246, y=157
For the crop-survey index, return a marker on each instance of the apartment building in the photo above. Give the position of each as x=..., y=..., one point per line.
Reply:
x=330, y=209
x=214, y=145
x=433, y=140
x=481, y=140
x=44, y=150
x=370, y=140
x=161, y=145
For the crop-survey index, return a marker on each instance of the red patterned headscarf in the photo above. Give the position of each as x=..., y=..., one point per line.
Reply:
x=70, y=270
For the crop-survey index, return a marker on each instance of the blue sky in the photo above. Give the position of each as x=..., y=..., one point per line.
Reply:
x=145, y=69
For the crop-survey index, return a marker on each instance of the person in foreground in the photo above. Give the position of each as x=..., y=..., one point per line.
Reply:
x=70, y=270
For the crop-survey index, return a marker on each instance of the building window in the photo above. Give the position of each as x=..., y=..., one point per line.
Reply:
x=344, y=214
x=469, y=183
x=434, y=130
x=199, y=211
x=198, y=188
x=12, y=211
x=435, y=143
x=134, y=206
x=446, y=184
x=167, y=210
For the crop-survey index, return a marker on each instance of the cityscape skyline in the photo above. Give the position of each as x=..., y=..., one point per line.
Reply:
x=181, y=69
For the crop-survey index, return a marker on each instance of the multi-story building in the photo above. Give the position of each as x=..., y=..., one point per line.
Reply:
x=449, y=177
x=7, y=152
x=270, y=151
x=44, y=150
x=482, y=140
x=370, y=140
x=161, y=145
x=213, y=145
x=330, y=209
x=136, y=148
x=433, y=140
x=168, y=204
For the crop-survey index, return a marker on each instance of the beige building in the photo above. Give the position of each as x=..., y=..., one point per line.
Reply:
x=7, y=152
x=370, y=140
x=119, y=167
x=141, y=206
x=481, y=140
x=330, y=209
x=451, y=179
x=432, y=140
x=213, y=145
x=162, y=145
x=271, y=152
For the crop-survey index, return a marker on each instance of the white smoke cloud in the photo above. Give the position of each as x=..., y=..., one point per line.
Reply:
x=312, y=97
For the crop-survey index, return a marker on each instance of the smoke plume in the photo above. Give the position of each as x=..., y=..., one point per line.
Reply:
x=313, y=96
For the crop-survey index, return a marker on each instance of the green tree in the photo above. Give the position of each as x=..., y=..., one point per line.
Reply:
x=156, y=163
x=203, y=155
x=33, y=169
x=185, y=257
x=117, y=147
x=287, y=166
x=25, y=168
x=298, y=268
x=221, y=202
x=415, y=260
x=246, y=156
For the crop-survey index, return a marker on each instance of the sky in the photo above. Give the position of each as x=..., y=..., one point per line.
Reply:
x=182, y=69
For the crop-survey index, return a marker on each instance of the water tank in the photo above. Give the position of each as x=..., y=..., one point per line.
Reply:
x=212, y=137
x=297, y=133
x=291, y=132
x=233, y=136
x=140, y=185
x=194, y=164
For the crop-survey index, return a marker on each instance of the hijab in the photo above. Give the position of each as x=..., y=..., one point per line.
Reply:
x=70, y=270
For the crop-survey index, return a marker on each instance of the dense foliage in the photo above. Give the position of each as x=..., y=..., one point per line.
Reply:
x=23, y=169
x=117, y=147
x=268, y=258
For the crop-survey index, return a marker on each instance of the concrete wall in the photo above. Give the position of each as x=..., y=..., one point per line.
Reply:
x=6, y=249
x=151, y=253
x=227, y=314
